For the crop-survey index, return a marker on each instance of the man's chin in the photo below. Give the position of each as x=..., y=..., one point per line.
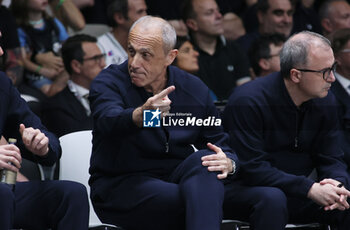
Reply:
x=136, y=81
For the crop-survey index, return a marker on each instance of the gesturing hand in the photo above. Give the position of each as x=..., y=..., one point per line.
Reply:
x=34, y=140
x=217, y=162
x=159, y=101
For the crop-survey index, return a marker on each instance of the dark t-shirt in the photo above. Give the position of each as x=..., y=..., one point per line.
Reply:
x=221, y=70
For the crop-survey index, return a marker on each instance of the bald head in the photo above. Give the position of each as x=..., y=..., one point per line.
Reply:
x=297, y=49
x=154, y=28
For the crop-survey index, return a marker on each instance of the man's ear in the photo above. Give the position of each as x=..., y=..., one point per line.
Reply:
x=327, y=25
x=295, y=75
x=119, y=18
x=76, y=66
x=264, y=64
x=260, y=16
x=171, y=56
x=192, y=24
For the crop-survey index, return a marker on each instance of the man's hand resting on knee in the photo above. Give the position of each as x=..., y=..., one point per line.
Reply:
x=218, y=162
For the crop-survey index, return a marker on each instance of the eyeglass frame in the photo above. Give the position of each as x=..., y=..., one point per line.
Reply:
x=96, y=58
x=323, y=71
x=345, y=51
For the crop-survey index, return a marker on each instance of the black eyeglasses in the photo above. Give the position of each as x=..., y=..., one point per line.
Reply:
x=326, y=71
x=96, y=58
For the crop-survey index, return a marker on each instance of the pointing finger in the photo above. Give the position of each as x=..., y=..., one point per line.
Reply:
x=164, y=93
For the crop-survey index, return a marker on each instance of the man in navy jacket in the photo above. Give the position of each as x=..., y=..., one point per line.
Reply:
x=152, y=178
x=34, y=204
x=283, y=126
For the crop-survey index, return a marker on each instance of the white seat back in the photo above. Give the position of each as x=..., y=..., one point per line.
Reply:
x=75, y=162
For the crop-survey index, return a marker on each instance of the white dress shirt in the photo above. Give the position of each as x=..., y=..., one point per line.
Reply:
x=344, y=82
x=81, y=94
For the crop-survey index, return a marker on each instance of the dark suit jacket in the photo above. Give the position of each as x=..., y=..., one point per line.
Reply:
x=14, y=111
x=343, y=100
x=63, y=114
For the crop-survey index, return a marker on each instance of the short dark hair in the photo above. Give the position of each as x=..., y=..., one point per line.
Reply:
x=263, y=5
x=339, y=39
x=187, y=10
x=72, y=49
x=180, y=40
x=260, y=48
x=116, y=6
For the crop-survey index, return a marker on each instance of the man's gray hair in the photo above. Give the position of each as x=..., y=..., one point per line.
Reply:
x=295, y=52
x=168, y=31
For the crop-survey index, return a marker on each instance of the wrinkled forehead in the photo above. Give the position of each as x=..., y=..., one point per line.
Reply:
x=149, y=37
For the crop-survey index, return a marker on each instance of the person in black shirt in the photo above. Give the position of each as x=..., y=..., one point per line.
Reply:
x=222, y=64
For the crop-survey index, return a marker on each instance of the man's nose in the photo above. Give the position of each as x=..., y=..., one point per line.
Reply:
x=136, y=60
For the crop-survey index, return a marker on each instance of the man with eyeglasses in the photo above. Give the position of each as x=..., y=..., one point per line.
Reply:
x=341, y=87
x=69, y=110
x=283, y=126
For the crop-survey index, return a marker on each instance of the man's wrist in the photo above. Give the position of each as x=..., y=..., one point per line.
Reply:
x=137, y=116
x=233, y=167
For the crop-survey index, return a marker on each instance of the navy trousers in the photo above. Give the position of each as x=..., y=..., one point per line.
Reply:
x=42, y=205
x=191, y=198
x=270, y=208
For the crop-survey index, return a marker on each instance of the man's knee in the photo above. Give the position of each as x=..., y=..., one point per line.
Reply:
x=72, y=192
x=273, y=199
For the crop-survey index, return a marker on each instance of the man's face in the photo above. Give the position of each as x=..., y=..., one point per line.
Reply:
x=339, y=16
x=343, y=59
x=208, y=18
x=93, y=62
x=147, y=61
x=277, y=19
x=137, y=9
x=312, y=85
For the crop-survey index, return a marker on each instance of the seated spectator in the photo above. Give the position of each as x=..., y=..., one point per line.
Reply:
x=121, y=15
x=264, y=54
x=283, y=126
x=334, y=15
x=222, y=64
x=144, y=172
x=187, y=57
x=39, y=34
x=68, y=13
x=69, y=110
x=35, y=204
x=341, y=87
x=275, y=16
